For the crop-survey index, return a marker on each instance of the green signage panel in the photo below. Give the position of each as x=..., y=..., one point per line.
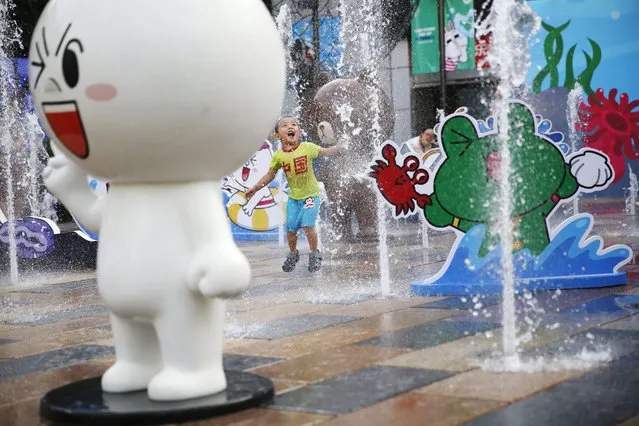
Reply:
x=459, y=35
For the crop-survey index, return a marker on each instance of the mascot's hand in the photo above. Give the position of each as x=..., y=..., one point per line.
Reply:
x=219, y=270
x=62, y=177
x=591, y=169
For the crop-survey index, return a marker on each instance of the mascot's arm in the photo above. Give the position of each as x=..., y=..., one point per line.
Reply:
x=69, y=184
x=217, y=267
x=335, y=150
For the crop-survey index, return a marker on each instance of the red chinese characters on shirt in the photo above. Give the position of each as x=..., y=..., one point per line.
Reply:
x=287, y=168
x=301, y=165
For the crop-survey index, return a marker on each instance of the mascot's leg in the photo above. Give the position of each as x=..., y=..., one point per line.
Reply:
x=364, y=206
x=339, y=211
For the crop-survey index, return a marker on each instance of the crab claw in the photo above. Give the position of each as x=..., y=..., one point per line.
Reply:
x=389, y=153
x=423, y=200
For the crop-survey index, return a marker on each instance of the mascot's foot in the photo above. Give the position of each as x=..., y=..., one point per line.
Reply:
x=128, y=377
x=172, y=385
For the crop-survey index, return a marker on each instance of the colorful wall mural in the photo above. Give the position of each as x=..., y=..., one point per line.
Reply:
x=596, y=44
x=590, y=43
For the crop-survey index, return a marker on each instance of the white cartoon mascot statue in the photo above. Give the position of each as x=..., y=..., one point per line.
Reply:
x=162, y=100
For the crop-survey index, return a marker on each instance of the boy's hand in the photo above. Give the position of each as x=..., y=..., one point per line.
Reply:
x=250, y=192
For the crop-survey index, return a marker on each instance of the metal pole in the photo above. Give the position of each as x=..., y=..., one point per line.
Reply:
x=441, y=5
x=316, y=41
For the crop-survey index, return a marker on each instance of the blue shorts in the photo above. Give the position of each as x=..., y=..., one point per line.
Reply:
x=301, y=213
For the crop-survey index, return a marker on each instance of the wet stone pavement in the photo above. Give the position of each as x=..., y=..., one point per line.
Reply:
x=340, y=354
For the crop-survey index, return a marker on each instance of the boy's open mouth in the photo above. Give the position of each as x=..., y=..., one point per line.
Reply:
x=291, y=133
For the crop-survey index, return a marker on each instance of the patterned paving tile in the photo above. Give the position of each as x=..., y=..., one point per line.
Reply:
x=244, y=362
x=628, y=323
x=457, y=355
x=467, y=303
x=429, y=335
x=400, y=360
x=53, y=359
x=417, y=409
x=404, y=318
x=307, y=343
x=264, y=417
x=630, y=422
x=90, y=285
x=267, y=289
x=81, y=336
x=618, y=343
x=627, y=304
x=22, y=413
x=36, y=384
x=356, y=390
x=578, y=402
x=375, y=307
x=58, y=316
x=22, y=332
x=326, y=364
x=290, y=326
x=270, y=312
x=505, y=387
x=347, y=300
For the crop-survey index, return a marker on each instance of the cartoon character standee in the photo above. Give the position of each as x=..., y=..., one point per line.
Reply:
x=341, y=110
x=397, y=182
x=116, y=108
x=456, y=47
x=262, y=212
x=466, y=183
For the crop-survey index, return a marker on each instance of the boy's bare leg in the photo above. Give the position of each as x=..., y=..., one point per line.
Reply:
x=311, y=236
x=292, y=241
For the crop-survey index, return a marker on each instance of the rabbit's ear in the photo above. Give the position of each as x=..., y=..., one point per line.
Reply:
x=451, y=25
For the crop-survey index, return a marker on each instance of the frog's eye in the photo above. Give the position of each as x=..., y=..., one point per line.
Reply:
x=458, y=134
x=463, y=140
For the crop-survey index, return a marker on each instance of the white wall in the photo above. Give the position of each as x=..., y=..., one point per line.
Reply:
x=395, y=80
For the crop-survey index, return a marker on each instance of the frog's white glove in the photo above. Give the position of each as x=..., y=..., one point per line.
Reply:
x=591, y=169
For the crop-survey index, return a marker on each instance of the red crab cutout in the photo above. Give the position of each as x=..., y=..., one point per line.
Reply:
x=396, y=184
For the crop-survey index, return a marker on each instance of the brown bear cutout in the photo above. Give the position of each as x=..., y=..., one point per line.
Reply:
x=328, y=118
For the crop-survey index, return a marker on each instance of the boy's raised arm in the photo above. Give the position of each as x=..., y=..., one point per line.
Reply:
x=266, y=179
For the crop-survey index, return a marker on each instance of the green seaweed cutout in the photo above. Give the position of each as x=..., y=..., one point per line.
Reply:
x=585, y=78
x=570, y=73
x=553, y=51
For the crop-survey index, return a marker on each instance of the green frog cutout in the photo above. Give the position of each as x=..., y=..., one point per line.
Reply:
x=466, y=186
x=467, y=182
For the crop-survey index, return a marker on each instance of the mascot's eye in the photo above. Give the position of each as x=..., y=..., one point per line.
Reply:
x=70, y=63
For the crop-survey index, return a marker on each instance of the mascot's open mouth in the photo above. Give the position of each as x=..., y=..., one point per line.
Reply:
x=493, y=165
x=65, y=121
x=245, y=173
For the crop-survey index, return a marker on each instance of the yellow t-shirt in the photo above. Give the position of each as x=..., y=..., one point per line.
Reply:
x=298, y=167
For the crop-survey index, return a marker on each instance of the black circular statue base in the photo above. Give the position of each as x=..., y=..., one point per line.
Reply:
x=83, y=402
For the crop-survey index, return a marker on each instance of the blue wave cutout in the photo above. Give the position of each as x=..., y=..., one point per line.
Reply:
x=571, y=260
